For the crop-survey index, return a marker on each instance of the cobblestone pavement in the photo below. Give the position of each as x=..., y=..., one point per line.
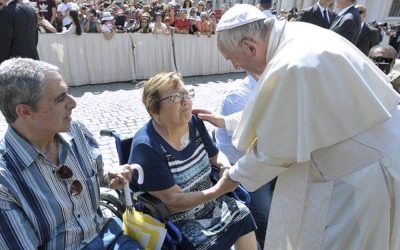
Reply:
x=118, y=106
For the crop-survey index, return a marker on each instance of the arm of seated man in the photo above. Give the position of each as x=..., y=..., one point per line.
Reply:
x=16, y=230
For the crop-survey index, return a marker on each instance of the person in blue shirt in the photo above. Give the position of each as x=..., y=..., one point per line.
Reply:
x=176, y=153
x=50, y=168
x=235, y=100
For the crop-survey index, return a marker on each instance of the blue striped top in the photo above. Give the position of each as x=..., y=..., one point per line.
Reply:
x=36, y=208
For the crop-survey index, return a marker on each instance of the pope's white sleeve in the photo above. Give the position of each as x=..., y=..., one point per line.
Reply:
x=231, y=122
x=255, y=169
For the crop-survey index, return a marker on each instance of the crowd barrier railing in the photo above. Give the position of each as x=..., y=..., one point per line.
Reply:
x=91, y=59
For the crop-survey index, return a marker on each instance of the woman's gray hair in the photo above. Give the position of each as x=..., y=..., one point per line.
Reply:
x=231, y=38
x=21, y=82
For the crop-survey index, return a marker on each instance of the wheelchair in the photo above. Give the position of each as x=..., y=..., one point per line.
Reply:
x=112, y=202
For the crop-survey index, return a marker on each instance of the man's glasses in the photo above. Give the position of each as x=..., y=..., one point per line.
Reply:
x=361, y=12
x=178, y=97
x=65, y=173
x=382, y=59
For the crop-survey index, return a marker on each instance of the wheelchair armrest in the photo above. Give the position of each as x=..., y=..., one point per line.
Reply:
x=154, y=206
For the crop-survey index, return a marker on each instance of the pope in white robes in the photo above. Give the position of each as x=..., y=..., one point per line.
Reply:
x=324, y=119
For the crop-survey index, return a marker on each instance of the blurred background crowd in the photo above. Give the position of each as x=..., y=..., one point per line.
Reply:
x=198, y=17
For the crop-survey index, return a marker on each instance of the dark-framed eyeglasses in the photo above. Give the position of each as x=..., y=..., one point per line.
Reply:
x=379, y=59
x=65, y=173
x=361, y=12
x=178, y=97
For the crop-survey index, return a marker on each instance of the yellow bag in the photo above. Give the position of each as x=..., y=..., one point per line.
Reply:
x=149, y=232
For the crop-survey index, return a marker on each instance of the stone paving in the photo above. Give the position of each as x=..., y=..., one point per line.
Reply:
x=118, y=106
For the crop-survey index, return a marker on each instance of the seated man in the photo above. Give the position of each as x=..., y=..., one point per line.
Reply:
x=50, y=171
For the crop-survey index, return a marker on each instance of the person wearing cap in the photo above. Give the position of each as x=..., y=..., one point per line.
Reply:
x=347, y=22
x=324, y=121
x=107, y=25
x=319, y=14
x=18, y=31
x=200, y=7
x=144, y=24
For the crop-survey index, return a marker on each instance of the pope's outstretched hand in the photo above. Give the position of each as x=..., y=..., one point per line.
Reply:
x=216, y=120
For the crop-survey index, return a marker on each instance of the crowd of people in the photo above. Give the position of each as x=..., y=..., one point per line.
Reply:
x=120, y=16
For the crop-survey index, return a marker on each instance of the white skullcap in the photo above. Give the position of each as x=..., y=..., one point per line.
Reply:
x=238, y=15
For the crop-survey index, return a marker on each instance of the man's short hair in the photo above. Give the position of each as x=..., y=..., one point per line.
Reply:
x=21, y=82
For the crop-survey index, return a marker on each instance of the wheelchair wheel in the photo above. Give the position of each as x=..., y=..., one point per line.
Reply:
x=110, y=205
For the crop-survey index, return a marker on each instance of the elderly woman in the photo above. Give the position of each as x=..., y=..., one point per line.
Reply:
x=176, y=153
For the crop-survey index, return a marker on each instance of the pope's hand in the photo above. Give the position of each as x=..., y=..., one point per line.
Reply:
x=216, y=120
x=225, y=183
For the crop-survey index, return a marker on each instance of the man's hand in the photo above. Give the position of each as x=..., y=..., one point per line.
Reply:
x=119, y=176
x=216, y=120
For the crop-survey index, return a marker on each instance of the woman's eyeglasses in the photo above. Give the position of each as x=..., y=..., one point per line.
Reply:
x=178, y=97
x=65, y=173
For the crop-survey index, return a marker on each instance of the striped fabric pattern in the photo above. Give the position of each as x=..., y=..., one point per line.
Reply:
x=36, y=208
x=205, y=224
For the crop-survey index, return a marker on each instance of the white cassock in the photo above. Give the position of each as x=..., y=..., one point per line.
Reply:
x=324, y=119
